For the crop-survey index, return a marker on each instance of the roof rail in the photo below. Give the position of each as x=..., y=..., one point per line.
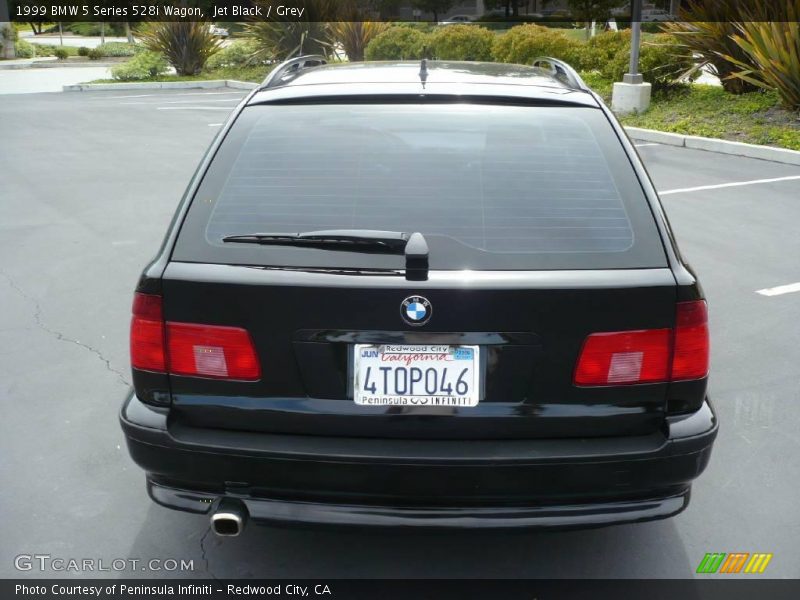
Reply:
x=561, y=71
x=293, y=66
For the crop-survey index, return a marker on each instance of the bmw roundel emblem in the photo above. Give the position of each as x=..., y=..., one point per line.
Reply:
x=416, y=310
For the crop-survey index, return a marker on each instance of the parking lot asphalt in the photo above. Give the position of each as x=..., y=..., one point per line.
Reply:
x=88, y=184
x=47, y=79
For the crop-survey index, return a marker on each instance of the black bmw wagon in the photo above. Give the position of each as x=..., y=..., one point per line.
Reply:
x=432, y=294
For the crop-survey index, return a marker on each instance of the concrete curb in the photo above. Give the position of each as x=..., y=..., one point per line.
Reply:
x=64, y=64
x=51, y=62
x=26, y=63
x=240, y=85
x=161, y=85
x=781, y=155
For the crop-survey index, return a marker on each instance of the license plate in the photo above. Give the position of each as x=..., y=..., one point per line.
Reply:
x=401, y=375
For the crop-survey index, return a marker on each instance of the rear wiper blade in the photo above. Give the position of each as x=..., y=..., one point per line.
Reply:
x=356, y=240
x=412, y=245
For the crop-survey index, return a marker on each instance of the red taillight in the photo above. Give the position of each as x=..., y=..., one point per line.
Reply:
x=648, y=356
x=624, y=357
x=188, y=348
x=211, y=351
x=147, y=334
x=690, y=356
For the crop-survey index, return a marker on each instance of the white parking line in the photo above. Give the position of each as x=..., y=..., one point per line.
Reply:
x=781, y=289
x=168, y=95
x=717, y=186
x=215, y=124
x=228, y=108
x=118, y=97
x=181, y=101
x=643, y=145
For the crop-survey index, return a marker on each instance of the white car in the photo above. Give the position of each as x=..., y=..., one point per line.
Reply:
x=656, y=14
x=219, y=31
x=458, y=20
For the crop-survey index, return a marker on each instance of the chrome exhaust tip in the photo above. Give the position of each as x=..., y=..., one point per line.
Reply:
x=229, y=519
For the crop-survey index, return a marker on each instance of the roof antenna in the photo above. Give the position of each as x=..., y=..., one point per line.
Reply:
x=423, y=72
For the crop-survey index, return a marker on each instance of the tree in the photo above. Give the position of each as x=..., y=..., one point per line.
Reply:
x=433, y=6
x=280, y=38
x=707, y=29
x=511, y=6
x=7, y=33
x=384, y=8
x=187, y=45
x=587, y=11
x=354, y=36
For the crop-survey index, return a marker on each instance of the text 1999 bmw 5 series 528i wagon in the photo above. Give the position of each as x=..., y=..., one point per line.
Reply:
x=420, y=294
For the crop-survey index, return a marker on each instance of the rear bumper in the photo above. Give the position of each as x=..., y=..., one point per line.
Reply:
x=426, y=483
x=499, y=517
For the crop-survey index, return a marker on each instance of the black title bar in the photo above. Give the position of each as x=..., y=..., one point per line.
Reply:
x=733, y=588
x=370, y=10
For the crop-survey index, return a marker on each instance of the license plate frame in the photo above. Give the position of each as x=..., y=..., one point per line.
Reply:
x=460, y=357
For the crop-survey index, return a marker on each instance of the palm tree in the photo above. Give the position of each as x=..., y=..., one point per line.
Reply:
x=282, y=38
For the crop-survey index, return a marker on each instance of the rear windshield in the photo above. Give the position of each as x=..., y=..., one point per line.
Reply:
x=490, y=187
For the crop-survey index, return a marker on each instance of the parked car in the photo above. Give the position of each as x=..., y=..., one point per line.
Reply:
x=426, y=294
x=458, y=20
x=219, y=31
x=656, y=15
x=501, y=12
x=621, y=11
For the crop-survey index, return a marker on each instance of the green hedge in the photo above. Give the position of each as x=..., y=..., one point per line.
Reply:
x=500, y=22
x=29, y=50
x=26, y=50
x=23, y=49
x=661, y=61
x=423, y=26
x=236, y=54
x=462, y=42
x=398, y=43
x=662, y=58
x=92, y=28
x=116, y=49
x=601, y=50
x=524, y=43
x=144, y=65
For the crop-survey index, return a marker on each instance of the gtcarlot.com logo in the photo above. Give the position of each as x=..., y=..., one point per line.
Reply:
x=47, y=562
x=735, y=562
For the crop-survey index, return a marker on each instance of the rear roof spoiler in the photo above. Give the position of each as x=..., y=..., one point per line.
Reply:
x=561, y=71
x=557, y=69
x=292, y=67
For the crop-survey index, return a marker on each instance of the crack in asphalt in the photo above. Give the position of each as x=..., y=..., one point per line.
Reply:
x=37, y=317
x=204, y=556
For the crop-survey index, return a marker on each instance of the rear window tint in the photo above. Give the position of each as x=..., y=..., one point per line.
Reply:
x=490, y=187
